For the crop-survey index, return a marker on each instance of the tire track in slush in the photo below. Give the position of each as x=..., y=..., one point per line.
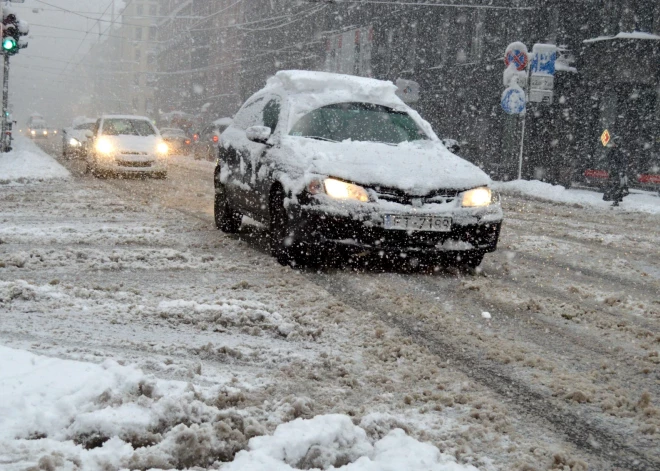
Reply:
x=579, y=431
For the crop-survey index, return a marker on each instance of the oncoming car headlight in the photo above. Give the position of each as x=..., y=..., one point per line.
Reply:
x=338, y=189
x=162, y=148
x=477, y=197
x=73, y=142
x=104, y=146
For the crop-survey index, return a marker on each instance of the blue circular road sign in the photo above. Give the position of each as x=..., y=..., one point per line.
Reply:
x=513, y=100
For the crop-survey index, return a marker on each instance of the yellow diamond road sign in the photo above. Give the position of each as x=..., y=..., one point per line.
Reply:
x=605, y=137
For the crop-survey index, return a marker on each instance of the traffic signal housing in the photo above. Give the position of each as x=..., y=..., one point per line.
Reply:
x=12, y=30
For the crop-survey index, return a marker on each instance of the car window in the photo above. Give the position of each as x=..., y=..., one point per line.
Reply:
x=86, y=126
x=128, y=127
x=97, y=125
x=249, y=114
x=358, y=122
x=271, y=114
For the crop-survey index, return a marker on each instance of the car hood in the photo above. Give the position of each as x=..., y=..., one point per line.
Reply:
x=417, y=168
x=135, y=143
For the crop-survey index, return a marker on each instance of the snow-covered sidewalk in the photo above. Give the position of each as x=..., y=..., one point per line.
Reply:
x=27, y=162
x=637, y=201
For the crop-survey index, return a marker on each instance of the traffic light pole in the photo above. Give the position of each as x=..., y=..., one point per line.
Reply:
x=5, y=103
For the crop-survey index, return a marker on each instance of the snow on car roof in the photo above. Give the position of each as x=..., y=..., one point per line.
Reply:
x=223, y=122
x=633, y=35
x=303, y=81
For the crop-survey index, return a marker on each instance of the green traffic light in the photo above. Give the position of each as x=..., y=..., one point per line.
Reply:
x=9, y=44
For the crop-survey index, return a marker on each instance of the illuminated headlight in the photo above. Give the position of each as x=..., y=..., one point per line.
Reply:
x=477, y=198
x=73, y=142
x=33, y=132
x=103, y=146
x=162, y=148
x=338, y=189
x=45, y=133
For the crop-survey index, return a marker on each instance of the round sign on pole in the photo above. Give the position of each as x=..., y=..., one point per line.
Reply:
x=516, y=54
x=513, y=100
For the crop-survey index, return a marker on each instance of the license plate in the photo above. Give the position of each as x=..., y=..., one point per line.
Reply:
x=417, y=223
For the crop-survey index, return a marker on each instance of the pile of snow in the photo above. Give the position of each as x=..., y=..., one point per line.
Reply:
x=333, y=442
x=27, y=162
x=67, y=414
x=636, y=201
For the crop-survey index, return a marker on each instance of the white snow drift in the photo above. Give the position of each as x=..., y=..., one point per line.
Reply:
x=27, y=162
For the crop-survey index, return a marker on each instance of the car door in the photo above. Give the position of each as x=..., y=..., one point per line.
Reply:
x=237, y=151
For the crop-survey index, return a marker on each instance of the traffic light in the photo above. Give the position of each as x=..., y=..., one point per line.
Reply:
x=12, y=30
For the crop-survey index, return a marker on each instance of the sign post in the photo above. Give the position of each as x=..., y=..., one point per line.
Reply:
x=514, y=98
x=542, y=81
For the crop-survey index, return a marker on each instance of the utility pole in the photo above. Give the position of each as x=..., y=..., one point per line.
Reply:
x=5, y=105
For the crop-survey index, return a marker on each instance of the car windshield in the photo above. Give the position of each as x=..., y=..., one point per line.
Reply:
x=358, y=122
x=128, y=127
x=86, y=126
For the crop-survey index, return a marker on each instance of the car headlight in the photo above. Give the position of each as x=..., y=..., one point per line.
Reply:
x=45, y=133
x=162, y=148
x=338, y=189
x=73, y=142
x=477, y=197
x=33, y=132
x=104, y=146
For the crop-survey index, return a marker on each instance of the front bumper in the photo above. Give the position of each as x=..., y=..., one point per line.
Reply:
x=360, y=233
x=121, y=164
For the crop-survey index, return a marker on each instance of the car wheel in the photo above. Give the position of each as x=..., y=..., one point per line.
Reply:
x=226, y=218
x=160, y=175
x=284, y=245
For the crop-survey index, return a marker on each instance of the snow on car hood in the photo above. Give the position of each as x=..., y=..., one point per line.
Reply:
x=134, y=143
x=415, y=167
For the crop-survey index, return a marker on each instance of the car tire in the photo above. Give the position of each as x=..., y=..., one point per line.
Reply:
x=226, y=218
x=285, y=246
x=161, y=175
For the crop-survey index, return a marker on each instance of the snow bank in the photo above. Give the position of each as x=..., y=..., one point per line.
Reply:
x=333, y=442
x=637, y=201
x=67, y=414
x=27, y=162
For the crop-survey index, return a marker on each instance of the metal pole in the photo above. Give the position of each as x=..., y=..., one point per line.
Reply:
x=522, y=145
x=5, y=103
x=522, y=135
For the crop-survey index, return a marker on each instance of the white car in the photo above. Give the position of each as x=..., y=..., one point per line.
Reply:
x=126, y=145
x=74, y=139
x=334, y=163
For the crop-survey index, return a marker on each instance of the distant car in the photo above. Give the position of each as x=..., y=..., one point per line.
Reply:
x=74, y=139
x=206, y=143
x=38, y=130
x=121, y=144
x=179, y=142
x=334, y=163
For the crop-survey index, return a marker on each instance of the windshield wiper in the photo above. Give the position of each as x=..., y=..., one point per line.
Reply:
x=319, y=138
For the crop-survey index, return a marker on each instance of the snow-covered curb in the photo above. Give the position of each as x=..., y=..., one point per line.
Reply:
x=637, y=201
x=55, y=413
x=27, y=163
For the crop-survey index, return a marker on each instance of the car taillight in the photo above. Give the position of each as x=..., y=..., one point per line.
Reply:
x=187, y=141
x=196, y=137
x=216, y=138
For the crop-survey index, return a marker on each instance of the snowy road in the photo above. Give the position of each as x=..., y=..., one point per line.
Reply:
x=563, y=373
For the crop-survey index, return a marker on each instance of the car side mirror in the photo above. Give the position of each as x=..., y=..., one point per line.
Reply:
x=452, y=145
x=259, y=134
x=89, y=134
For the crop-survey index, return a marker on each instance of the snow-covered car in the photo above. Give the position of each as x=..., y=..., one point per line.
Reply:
x=331, y=163
x=126, y=145
x=38, y=130
x=178, y=141
x=206, y=143
x=74, y=138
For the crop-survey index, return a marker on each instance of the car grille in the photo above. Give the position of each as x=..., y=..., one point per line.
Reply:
x=127, y=163
x=401, y=197
x=132, y=152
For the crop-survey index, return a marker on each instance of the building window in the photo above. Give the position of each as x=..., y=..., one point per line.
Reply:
x=151, y=59
x=138, y=33
x=138, y=55
x=136, y=79
x=140, y=10
x=153, y=10
x=153, y=33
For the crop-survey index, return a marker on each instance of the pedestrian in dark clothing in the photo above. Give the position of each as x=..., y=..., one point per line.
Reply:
x=617, y=186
